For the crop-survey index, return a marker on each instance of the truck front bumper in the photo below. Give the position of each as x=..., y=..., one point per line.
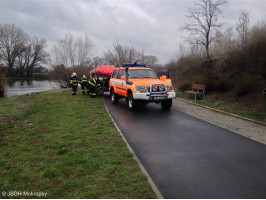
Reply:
x=149, y=96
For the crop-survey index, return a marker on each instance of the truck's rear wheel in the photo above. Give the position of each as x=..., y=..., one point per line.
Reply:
x=167, y=104
x=131, y=102
x=114, y=97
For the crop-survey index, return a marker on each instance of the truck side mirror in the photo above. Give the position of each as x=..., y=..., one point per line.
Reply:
x=163, y=78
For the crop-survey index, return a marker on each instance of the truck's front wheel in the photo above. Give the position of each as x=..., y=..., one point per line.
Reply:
x=131, y=102
x=114, y=97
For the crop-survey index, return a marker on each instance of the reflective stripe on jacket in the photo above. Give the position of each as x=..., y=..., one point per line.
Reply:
x=96, y=80
x=92, y=84
x=74, y=81
x=84, y=80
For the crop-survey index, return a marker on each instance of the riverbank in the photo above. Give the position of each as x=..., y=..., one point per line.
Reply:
x=65, y=146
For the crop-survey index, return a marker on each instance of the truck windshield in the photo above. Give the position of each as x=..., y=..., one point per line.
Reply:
x=141, y=73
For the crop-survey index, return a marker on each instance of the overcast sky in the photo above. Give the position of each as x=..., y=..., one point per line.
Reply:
x=149, y=25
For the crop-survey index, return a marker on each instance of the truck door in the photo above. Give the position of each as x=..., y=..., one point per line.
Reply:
x=121, y=84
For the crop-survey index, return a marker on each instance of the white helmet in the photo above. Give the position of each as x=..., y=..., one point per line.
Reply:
x=74, y=74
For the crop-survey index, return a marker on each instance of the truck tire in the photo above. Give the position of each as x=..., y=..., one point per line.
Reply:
x=167, y=104
x=131, y=102
x=114, y=97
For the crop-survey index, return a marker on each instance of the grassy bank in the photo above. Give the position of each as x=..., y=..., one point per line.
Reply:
x=227, y=107
x=66, y=146
x=235, y=74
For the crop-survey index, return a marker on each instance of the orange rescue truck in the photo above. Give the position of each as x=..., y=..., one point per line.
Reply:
x=137, y=83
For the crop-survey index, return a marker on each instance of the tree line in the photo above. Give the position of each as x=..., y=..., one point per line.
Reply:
x=20, y=52
x=229, y=60
x=21, y=55
x=207, y=35
x=77, y=51
x=74, y=54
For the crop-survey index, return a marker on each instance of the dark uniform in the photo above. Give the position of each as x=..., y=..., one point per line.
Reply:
x=93, y=84
x=74, y=84
x=83, y=83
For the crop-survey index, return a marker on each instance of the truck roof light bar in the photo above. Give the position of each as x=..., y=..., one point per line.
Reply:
x=133, y=65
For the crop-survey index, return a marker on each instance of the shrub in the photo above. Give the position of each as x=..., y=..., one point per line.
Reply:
x=224, y=85
x=245, y=84
x=81, y=70
x=62, y=75
x=185, y=86
x=207, y=78
x=3, y=79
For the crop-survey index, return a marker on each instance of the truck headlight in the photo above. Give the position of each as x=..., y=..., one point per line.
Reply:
x=161, y=87
x=169, y=88
x=142, y=88
x=154, y=88
x=158, y=88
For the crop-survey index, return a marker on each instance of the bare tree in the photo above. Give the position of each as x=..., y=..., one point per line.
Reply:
x=84, y=50
x=23, y=60
x=150, y=60
x=123, y=54
x=96, y=61
x=242, y=26
x=203, y=22
x=12, y=42
x=73, y=51
x=32, y=56
x=224, y=46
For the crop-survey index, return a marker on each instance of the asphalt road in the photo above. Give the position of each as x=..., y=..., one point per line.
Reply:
x=190, y=158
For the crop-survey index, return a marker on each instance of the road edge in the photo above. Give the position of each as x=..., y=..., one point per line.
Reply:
x=150, y=181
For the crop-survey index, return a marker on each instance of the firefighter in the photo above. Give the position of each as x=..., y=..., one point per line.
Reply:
x=83, y=83
x=74, y=83
x=93, y=84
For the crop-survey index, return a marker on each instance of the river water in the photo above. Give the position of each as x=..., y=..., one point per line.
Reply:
x=29, y=86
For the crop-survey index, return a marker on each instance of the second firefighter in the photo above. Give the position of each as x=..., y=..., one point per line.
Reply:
x=84, y=85
x=93, y=84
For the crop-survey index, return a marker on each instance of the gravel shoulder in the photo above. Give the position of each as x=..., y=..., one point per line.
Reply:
x=248, y=128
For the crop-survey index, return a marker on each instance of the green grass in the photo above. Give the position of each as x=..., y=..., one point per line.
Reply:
x=66, y=146
x=230, y=108
x=181, y=95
